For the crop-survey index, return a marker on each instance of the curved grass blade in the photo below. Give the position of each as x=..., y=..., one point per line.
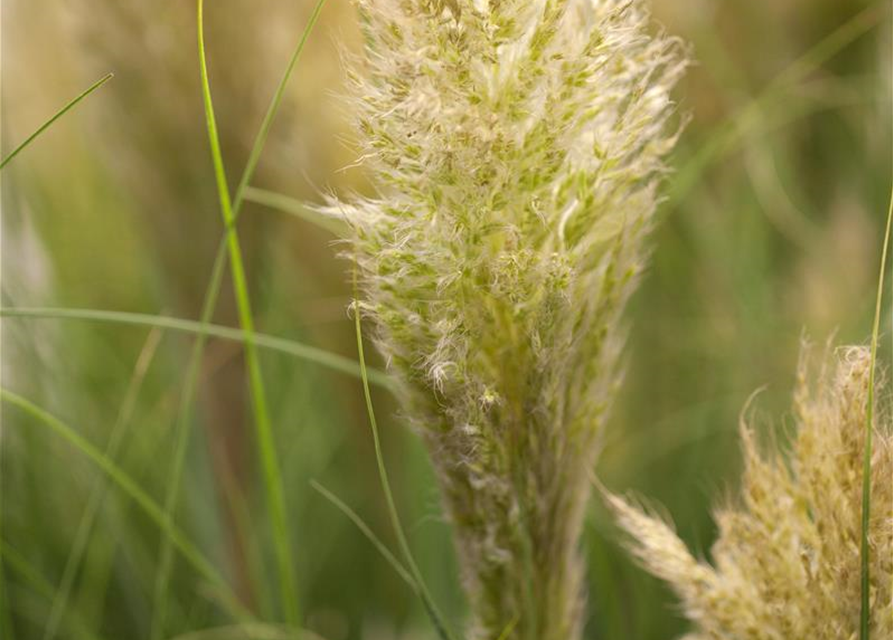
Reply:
x=5, y=620
x=266, y=443
x=39, y=584
x=507, y=632
x=208, y=307
x=292, y=348
x=865, y=616
x=294, y=208
x=181, y=446
x=366, y=531
x=130, y=488
x=864, y=548
x=267, y=123
x=46, y=125
x=94, y=502
x=25, y=569
x=424, y=593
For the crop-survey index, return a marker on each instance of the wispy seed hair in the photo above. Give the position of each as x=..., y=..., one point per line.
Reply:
x=517, y=149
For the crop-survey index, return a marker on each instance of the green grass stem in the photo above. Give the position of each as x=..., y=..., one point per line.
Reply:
x=424, y=593
x=380, y=546
x=864, y=547
x=46, y=125
x=296, y=208
x=285, y=346
x=131, y=488
x=41, y=587
x=266, y=443
x=94, y=502
x=5, y=616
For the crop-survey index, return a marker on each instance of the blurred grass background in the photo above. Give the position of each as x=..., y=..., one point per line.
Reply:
x=771, y=231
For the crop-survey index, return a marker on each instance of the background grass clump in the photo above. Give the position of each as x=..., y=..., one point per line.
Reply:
x=770, y=227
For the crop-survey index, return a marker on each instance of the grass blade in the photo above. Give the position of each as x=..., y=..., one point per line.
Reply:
x=178, y=462
x=94, y=502
x=424, y=594
x=864, y=548
x=366, y=531
x=285, y=346
x=266, y=444
x=294, y=208
x=865, y=616
x=209, y=305
x=40, y=585
x=46, y=125
x=130, y=488
x=267, y=123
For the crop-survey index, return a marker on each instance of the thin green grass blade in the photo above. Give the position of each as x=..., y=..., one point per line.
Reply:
x=209, y=306
x=266, y=444
x=291, y=348
x=5, y=618
x=865, y=616
x=26, y=570
x=40, y=585
x=131, y=489
x=424, y=593
x=178, y=463
x=294, y=208
x=366, y=531
x=213, y=290
x=864, y=548
x=94, y=502
x=46, y=125
x=507, y=632
x=267, y=123
x=5, y=608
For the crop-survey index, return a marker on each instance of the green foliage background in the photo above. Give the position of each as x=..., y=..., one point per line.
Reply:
x=771, y=231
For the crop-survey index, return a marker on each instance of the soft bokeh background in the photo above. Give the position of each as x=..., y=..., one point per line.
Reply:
x=771, y=231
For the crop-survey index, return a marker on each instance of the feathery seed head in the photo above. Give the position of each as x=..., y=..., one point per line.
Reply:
x=787, y=560
x=517, y=148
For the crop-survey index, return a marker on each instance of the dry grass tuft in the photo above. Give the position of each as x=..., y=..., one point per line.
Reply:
x=787, y=563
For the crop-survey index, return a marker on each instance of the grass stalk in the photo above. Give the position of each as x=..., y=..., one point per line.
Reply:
x=266, y=444
x=865, y=550
x=285, y=346
x=209, y=306
x=132, y=489
x=181, y=446
x=94, y=502
x=46, y=125
x=295, y=208
x=267, y=123
x=380, y=546
x=424, y=593
x=865, y=614
x=5, y=616
x=41, y=587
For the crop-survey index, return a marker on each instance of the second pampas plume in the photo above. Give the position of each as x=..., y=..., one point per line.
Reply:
x=787, y=561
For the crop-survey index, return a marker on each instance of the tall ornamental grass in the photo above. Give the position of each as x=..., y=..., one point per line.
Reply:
x=517, y=148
